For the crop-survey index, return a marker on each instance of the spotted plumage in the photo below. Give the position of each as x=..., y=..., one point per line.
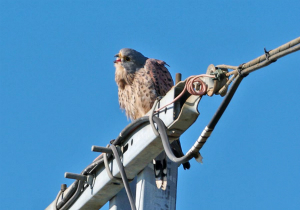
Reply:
x=140, y=81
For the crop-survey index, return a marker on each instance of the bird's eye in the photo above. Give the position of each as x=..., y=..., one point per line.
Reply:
x=127, y=58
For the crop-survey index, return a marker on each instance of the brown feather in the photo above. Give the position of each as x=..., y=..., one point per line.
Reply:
x=138, y=91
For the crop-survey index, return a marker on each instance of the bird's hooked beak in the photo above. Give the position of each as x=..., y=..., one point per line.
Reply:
x=118, y=58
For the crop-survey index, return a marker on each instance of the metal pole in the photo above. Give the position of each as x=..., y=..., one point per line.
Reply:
x=177, y=78
x=120, y=201
x=148, y=197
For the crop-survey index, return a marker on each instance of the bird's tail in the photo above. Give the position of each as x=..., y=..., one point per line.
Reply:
x=160, y=171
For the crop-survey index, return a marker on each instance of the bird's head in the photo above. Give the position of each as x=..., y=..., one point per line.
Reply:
x=130, y=59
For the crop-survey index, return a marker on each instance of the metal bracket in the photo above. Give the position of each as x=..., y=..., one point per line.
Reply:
x=89, y=179
x=141, y=146
x=101, y=149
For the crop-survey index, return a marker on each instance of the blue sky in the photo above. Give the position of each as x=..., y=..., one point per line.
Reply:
x=58, y=95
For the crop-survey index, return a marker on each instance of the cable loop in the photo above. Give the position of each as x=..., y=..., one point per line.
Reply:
x=189, y=86
x=119, y=180
x=151, y=117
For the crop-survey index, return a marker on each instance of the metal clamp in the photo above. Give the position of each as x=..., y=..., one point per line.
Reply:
x=239, y=70
x=268, y=55
x=214, y=85
x=219, y=74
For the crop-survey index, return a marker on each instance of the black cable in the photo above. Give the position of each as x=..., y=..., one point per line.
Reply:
x=118, y=180
x=166, y=144
x=124, y=177
x=162, y=128
x=225, y=102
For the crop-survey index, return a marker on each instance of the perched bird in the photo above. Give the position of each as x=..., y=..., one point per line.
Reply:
x=140, y=81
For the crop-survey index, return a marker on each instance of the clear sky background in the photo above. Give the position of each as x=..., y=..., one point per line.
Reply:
x=58, y=95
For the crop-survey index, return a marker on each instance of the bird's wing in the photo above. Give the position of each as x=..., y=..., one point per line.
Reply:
x=160, y=76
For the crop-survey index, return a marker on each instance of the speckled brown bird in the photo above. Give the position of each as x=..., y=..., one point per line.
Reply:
x=140, y=81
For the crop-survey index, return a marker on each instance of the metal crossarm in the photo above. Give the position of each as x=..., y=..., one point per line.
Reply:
x=139, y=145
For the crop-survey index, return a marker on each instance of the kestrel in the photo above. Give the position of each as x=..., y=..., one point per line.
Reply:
x=140, y=81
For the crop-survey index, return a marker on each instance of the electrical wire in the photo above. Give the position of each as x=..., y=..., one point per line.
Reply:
x=56, y=200
x=265, y=59
x=151, y=117
x=124, y=177
x=108, y=169
x=74, y=197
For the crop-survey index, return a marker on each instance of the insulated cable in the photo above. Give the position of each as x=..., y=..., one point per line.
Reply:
x=74, y=197
x=267, y=58
x=56, y=200
x=151, y=117
x=124, y=177
x=105, y=158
